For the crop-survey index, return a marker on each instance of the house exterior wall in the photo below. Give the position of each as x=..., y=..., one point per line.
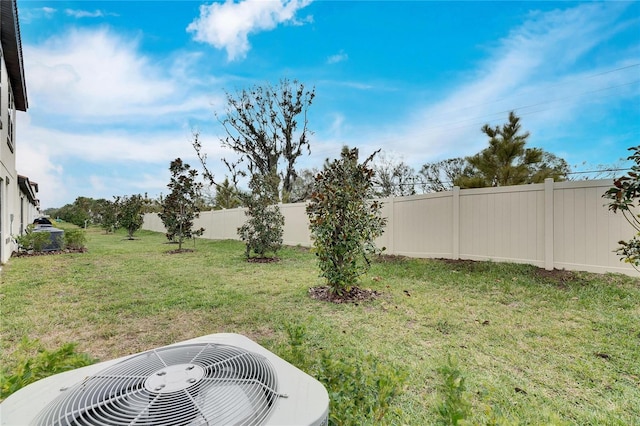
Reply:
x=564, y=225
x=29, y=204
x=9, y=192
x=12, y=97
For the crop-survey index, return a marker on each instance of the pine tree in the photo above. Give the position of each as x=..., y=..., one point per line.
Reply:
x=506, y=161
x=227, y=196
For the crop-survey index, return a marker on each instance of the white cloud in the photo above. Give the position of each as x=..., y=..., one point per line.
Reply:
x=337, y=124
x=228, y=25
x=142, y=147
x=526, y=73
x=96, y=74
x=99, y=107
x=36, y=163
x=98, y=183
x=28, y=15
x=339, y=57
x=67, y=164
x=358, y=85
x=86, y=14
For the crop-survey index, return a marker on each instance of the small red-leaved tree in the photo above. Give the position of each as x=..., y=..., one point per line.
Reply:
x=344, y=220
x=623, y=195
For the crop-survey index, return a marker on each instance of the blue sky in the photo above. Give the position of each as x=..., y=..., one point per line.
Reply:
x=115, y=88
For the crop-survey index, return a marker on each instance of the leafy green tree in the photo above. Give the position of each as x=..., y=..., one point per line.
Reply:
x=506, y=161
x=79, y=212
x=344, y=220
x=108, y=215
x=130, y=213
x=267, y=127
x=151, y=205
x=181, y=206
x=623, y=195
x=169, y=216
x=50, y=211
x=85, y=211
x=263, y=230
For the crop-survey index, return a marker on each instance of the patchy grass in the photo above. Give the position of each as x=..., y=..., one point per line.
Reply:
x=533, y=347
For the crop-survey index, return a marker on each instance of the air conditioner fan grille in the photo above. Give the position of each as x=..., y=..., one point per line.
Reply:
x=191, y=384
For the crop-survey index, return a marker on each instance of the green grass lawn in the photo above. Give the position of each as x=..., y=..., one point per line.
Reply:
x=533, y=348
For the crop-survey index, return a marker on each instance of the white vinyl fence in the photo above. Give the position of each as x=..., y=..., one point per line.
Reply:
x=564, y=225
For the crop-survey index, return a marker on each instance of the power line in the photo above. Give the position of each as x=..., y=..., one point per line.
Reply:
x=598, y=171
x=448, y=182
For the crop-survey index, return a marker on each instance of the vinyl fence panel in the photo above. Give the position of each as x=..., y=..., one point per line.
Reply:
x=564, y=225
x=503, y=224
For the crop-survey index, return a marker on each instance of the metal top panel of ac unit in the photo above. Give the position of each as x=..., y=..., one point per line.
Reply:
x=292, y=396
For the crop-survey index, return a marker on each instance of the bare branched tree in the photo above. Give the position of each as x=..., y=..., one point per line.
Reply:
x=267, y=126
x=393, y=177
x=439, y=176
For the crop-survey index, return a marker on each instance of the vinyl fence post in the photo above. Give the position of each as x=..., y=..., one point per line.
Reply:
x=548, y=224
x=455, y=198
x=390, y=228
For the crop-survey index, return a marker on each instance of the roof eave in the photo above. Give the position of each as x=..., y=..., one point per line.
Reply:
x=12, y=52
x=27, y=189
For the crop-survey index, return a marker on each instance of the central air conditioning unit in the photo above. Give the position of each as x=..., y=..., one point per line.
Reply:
x=219, y=379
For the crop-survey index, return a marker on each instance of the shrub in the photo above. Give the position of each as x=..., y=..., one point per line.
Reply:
x=455, y=406
x=624, y=193
x=361, y=388
x=344, y=220
x=41, y=240
x=263, y=231
x=31, y=367
x=75, y=239
x=31, y=240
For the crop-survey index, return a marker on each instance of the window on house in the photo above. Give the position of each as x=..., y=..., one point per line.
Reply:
x=1, y=106
x=21, y=215
x=10, y=116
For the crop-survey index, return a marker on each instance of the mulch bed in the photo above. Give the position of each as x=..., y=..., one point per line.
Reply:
x=390, y=258
x=559, y=275
x=47, y=253
x=177, y=251
x=263, y=259
x=355, y=295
